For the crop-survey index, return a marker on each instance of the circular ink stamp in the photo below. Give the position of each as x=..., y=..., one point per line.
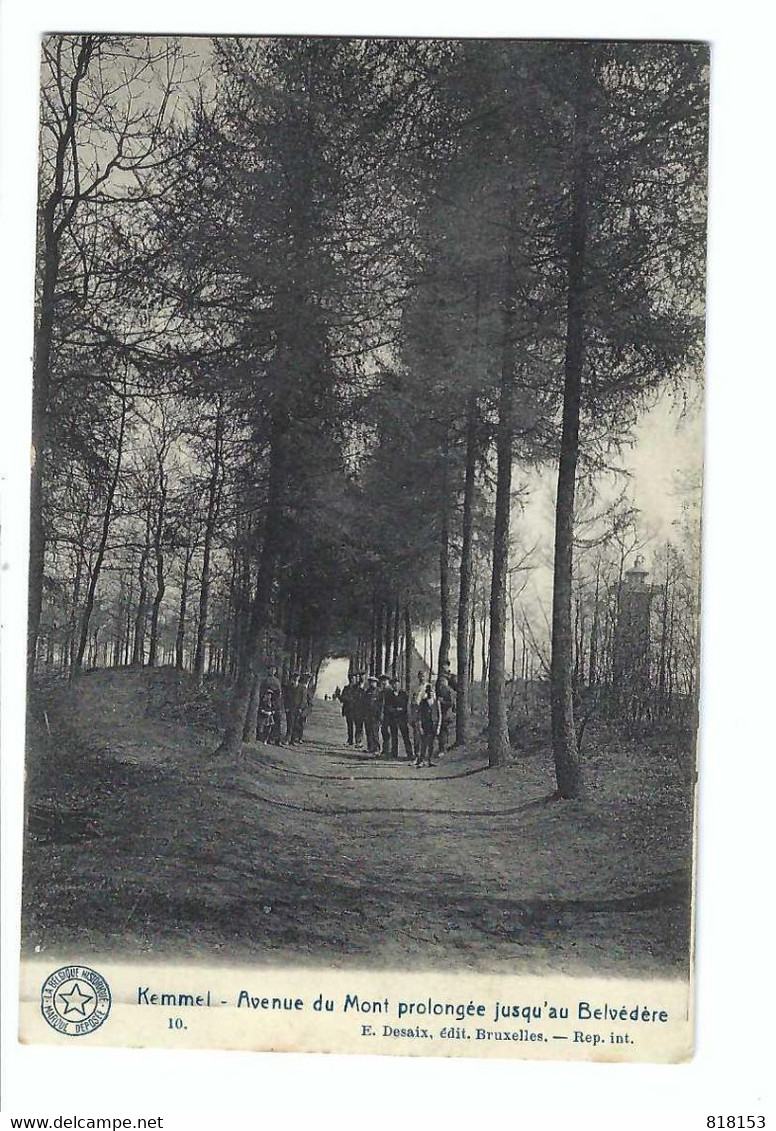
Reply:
x=75, y=1000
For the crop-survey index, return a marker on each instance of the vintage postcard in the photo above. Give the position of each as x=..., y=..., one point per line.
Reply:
x=365, y=545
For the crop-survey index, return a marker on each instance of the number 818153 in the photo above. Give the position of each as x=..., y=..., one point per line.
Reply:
x=735, y=1121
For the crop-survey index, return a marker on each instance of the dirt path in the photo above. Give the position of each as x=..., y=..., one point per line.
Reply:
x=324, y=853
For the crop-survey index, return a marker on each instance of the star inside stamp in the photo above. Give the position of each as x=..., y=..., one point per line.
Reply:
x=75, y=1000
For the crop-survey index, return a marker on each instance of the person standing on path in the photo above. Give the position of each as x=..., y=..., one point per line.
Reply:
x=446, y=700
x=304, y=704
x=390, y=721
x=446, y=674
x=347, y=696
x=385, y=730
x=396, y=707
x=373, y=710
x=271, y=693
x=416, y=694
x=430, y=718
x=357, y=707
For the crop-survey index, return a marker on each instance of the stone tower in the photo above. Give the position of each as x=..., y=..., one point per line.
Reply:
x=631, y=669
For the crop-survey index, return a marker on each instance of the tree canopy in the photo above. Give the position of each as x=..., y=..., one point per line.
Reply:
x=307, y=311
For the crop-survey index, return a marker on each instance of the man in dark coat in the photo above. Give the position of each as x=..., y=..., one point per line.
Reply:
x=430, y=719
x=357, y=708
x=347, y=698
x=396, y=708
x=373, y=713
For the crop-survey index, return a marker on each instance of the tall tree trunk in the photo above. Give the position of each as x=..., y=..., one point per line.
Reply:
x=41, y=385
x=242, y=592
x=388, y=637
x=138, y=637
x=408, y=646
x=76, y=601
x=472, y=650
x=106, y=520
x=213, y=492
x=484, y=647
x=120, y=623
x=260, y=606
x=663, y=657
x=378, y=670
x=443, y=656
x=51, y=235
x=594, y=631
x=138, y=644
x=223, y=652
x=161, y=586
x=465, y=602
x=180, y=636
x=250, y=726
x=128, y=625
x=396, y=638
x=564, y=738
x=373, y=639
x=671, y=658
x=498, y=734
x=513, y=629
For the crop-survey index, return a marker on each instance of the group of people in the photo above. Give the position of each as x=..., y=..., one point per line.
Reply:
x=292, y=698
x=378, y=709
x=375, y=708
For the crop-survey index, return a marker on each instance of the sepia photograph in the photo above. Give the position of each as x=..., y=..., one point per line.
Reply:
x=364, y=573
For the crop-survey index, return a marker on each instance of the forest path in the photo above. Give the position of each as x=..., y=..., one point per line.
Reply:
x=145, y=843
x=325, y=756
